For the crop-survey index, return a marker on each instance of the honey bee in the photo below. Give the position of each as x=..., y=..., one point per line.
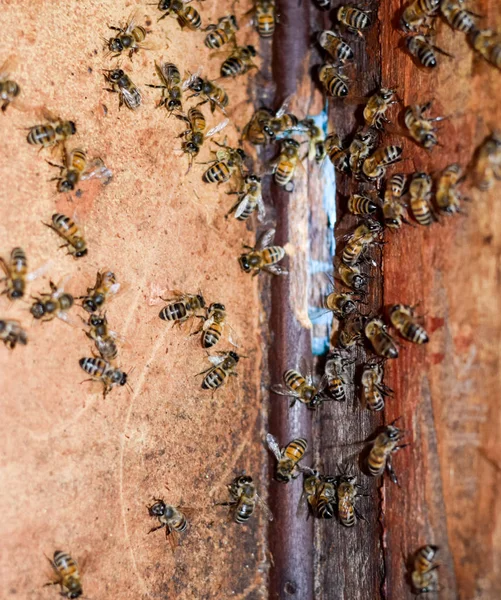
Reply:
x=12, y=333
x=222, y=33
x=350, y=332
x=382, y=342
x=394, y=213
x=266, y=17
x=103, y=338
x=122, y=85
x=353, y=278
x=360, y=148
x=447, y=196
x=458, y=17
x=227, y=162
x=334, y=82
x=376, y=107
x=346, y=496
x=359, y=241
x=223, y=366
x=9, y=89
x=424, y=576
x=127, y=39
x=353, y=19
x=336, y=384
x=420, y=198
x=263, y=257
x=487, y=164
x=101, y=370
x=382, y=448
x=182, y=307
x=418, y=14
x=54, y=131
x=361, y=205
x=302, y=388
x=258, y=130
x=339, y=156
x=186, y=16
x=170, y=517
x=284, y=166
x=374, y=167
x=316, y=140
x=403, y=320
x=214, y=324
x=244, y=499
x=171, y=90
x=209, y=91
x=373, y=388
x=16, y=274
x=335, y=46
x=488, y=43
x=341, y=305
x=71, y=234
x=106, y=285
x=67, y=573
x=195, y=135
x=423, y=50
x=420, y=128
x=288, y=457
x=284, y=121
x=239, y=61
x=76, y=168
x=320, y=494
x=249, y=199
x=57, y=303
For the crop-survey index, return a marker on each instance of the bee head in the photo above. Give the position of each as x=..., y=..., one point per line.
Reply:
x=158, y=509
x=197, y=85
x=217, y=306
x=244, y=263
x=96, y=320
x=37, y=310
x=81, y=253
x=89, y=305
x=201, y=300
x=66, y=185
x=174, y=105
x=234, y=356
x=116, y=74
x=116, y=45
x=241, y=153
x=252, y=178
x=123, y=378
x=251, y=50
x=75, y=594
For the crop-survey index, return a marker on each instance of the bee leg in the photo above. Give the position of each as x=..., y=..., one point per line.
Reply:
x=392, y=473
x=157, y=528
x=110, y=90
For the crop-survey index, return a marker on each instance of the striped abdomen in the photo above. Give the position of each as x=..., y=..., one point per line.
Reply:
x=376, y=461
x=353, y=18
x=426, y=56
x=216, y=38
x=495, y=55
x=423, y=560
x=461, y=20
x=78, y=160
x=68, y=572
x=294, y=380
x=233, y=66
x=352, y=252
x=43, y=135
x=345, y=507
x=219, y=172
x=412, y=331
x=214, y=379
x=374, y=399
x=107, y=348
x=428, y=7
x=69, y=231
x=272, y=254
x=18, y=268
x=361, y=205
x=296, y=449
x=336, y=389
x=266, y=21
x=244, y=509
x=325, y=501
x=333, y=82
x=95, y=367
x=422, y=211
x=189, y=18
x=212, y=335
x=178, y=522
x=174, y=312
x=250, y=207
x=284, y=172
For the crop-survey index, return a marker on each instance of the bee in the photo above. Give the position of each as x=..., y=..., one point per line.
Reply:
x=12, y=333
x=335, y=46
x=373, y=388
x=228, y=161
x=170, y=517
x=16, y=274
x=284, y=121
x=122, y=85
x=57, y=303
x=488, y=43
x=316, y=140
x=284, y=166
x=447, y=196
x=421, y=48
x=341, y=305
x=353, y=19
x=288, y=457
x=106, y=285
x=258, y=130
x=182, y=307
x=403, y=320
x=9, y=89
x=382, y=448
x=458, y=17
x=222, y=33
x=376, y=107
x=420, y=128
x=350, y=332
x=244, y=498
x=103, y=338
x=195, y=135
x=320, y=493
x=209, y=91
x=302, y=388
x=263, y=257
x=360, y=240
x=71, y=234
x=101, y=370
x=424, y=575
x=346, y=496
x=487, y=164
x=420, y=198
x=68, y=575
x=339, y=156
x=249, y=199
x=76, y=168
x=55, y=131
x=186, y=16
x=239, y=61
x=361, y=205
x=223, y=366
x=382, y=342
x=266, y=17
x=171, y=90
x=336, y=384
x=334, y=82
x=213, y=326
x=374, y=167
x=360, y=148
x=128, y=38
x=418, y=14
x=353, y=278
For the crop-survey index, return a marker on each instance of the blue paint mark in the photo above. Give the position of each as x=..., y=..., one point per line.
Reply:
x=319, y=346
x=319, y=316
x=320, y=266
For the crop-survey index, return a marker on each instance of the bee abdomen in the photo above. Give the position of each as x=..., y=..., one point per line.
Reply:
x=293, y=379
x=421, y=212
x=325, y=508
x=218, y=173
x=95, y=367
x=64, y=562
x=191, y=18
x=211, y=337
x=41, y=134
x=296, y=449
x=415, y=333
x=244, y=512
x=214, y=379
x=266, y=25
x=232, y=67
x=375, y=464
x=173, y=312
x=337, y=391
x=375, y=402
x=216, y=39
x=348, y=518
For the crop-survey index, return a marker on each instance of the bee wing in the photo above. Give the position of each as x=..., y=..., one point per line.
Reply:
x=60, y=286
x=276, y=269
x=172, y=537
x=39, y=272
x=285, y=105
x=219, y=127
x=261, y=210
x=131, y=21
x=98, y=169
x=266, y=238
x=8, y=66
x=207, y=323
x=118, y=336
x=131, y=99
x=242, y=207
x=273, y=445
x=47, y=115
x=303, y=510
x=67, y=318
x=216, y=360
x=162, y=73
x=232, y=337
x=265, y=507
x=282, y=390
x=187, y=82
